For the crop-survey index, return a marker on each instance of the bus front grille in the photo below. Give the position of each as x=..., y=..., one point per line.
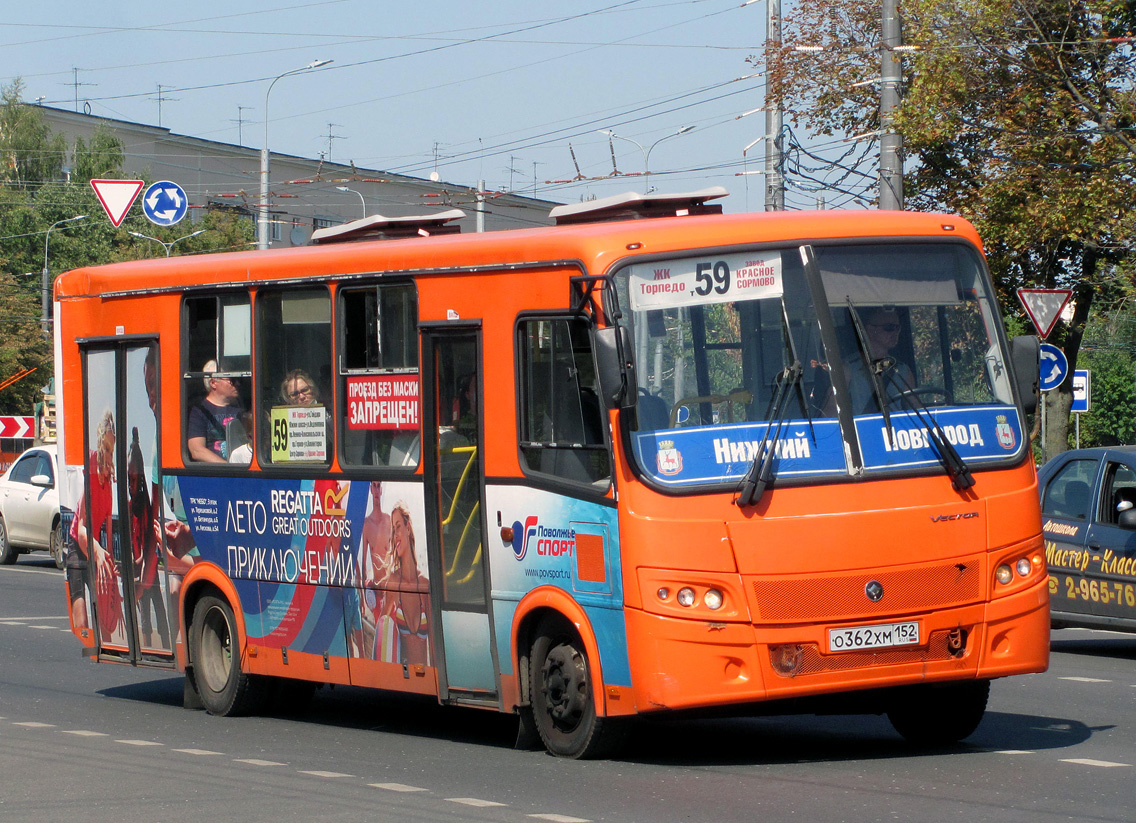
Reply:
x=844, y=596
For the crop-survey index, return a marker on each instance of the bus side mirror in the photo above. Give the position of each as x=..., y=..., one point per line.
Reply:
x=615, y=367
x=1025, y=354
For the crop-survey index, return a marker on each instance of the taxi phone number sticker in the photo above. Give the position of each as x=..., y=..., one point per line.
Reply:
x=873, y=637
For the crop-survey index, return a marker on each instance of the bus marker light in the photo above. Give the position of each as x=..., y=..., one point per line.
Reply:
x=713, y=599
x=1004, y=574
x=686, y=596
x=663, y=592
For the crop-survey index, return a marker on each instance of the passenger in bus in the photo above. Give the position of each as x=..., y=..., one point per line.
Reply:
x=208, y=420
x=881, y=327
x=242, y=454
x=298, y=389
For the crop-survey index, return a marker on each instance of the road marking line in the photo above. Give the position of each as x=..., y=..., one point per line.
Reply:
x=474, y=801
x=255, y=762
x=1013, y=751
x=11, y=623
x=560, y=818
x=326, y=774
x=397, y=787
x=1085, y=679
x=51, y=628
x=139, y=742
x=31, y=724
x=45, y=617
x=1084, y=761
x=201, y=752
x=84, y=733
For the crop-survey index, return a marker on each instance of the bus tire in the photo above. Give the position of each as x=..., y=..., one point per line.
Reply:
x=563, y=703
x=225, y=690
x=940, y=714
x=8, y=553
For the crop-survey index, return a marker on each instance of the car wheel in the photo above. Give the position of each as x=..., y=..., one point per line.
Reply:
x=8, y=554
x=58, y=546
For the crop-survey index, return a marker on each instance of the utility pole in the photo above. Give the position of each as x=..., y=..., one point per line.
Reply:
x=774, y=182
x=891, y=75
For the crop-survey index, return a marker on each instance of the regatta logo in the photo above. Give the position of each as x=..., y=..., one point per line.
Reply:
x=547, y=542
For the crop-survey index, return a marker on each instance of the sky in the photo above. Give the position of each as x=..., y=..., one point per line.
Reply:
x=512, y=93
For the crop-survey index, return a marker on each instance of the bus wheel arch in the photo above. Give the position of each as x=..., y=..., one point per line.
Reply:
x=215, y=646
x=561, y=683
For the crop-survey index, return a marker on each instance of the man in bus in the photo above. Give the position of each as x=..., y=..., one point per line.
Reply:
x=881, y=330
x=209, y=419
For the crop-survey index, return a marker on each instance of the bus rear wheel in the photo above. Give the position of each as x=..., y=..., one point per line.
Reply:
x=563, y=699
x=939, y=714
x=224, y=689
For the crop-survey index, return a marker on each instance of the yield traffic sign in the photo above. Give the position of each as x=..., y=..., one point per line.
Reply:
x=117, y=196
x=1044, y=307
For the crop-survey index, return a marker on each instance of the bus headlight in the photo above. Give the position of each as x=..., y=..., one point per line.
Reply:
x=1024, y=567
x=712, y=599
x=686, y=596
x=1004, y=574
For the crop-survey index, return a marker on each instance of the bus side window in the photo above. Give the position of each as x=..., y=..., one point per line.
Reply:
x=378, y=374
x=216, y=376
x=293, y=392
x=562, y=425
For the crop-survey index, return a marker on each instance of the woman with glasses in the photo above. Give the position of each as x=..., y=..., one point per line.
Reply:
x=298, y=389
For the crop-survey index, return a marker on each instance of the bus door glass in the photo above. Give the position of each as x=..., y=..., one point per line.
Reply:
x=454, y=481
x=125, y=596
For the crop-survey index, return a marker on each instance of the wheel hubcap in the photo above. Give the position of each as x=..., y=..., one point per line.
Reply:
x=216, y=650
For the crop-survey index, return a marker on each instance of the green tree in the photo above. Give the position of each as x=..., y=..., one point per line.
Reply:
x=1017, y=114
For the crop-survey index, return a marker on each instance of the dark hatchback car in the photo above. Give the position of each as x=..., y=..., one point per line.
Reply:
x=1088, y=511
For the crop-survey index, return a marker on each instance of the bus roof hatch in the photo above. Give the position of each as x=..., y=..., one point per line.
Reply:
x=631, y=206
x=380, y=227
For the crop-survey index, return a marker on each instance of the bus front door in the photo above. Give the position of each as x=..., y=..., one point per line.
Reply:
x=113, y=537
x=454, y=476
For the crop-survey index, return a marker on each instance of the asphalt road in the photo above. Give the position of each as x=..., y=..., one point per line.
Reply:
x=89, y=742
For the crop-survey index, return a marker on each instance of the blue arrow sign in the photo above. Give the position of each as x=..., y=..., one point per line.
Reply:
x=1054, y=367
x=165, y=203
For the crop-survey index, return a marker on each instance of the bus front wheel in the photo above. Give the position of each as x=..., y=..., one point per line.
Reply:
x=563, y=702
x=939, y=714
x=215, y=653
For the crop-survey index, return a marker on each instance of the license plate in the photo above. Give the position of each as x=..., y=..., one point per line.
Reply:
x=873, y=637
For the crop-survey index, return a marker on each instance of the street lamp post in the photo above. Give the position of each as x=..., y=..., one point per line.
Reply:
x=45, y=296
x=262, y=222
x=646, y=150
x=163, y=243
x=361, y=200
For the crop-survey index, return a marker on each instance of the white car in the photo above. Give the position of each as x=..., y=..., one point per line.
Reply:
x=29, y=507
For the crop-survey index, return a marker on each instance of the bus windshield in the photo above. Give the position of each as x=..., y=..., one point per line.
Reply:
x=875, y=358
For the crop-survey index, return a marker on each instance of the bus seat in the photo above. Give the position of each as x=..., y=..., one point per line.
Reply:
x=405, y=449
x=651, y=411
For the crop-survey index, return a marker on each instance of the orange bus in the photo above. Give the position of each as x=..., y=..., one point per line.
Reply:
x=651, y=458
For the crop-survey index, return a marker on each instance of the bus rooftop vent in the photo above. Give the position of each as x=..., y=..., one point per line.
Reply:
x=632, y=206
x=378, y=227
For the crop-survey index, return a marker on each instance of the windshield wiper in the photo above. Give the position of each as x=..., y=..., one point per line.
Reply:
x=957, y=470
x=760, y=471
x=875, y=369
